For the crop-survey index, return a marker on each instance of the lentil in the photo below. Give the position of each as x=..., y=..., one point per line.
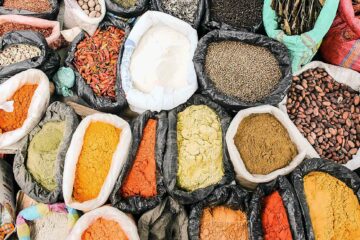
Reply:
x=91, y=7
x=264, y=144
x=17, y=53
x=199, y=140
x=11, y=26
x=241, y=70
x=183, y=9
x=104, y=229
x=37, y=6
x=327, y=113
x=96, y=58
x=126, y=3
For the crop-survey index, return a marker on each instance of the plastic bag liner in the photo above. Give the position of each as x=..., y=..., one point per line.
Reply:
x=209, y=24
x=232, y=196
x=170, y=165
x=57, y=111
x=342, y=75
x=169, y=220
x=350, y=178
x=52, y=14
x=302, y=47
x=38, y=105
x=140, y=7
x=291, y=204
x=83, y=90
x=48, y=61
x=158, y=6
x=208, y=88
x=138, y=204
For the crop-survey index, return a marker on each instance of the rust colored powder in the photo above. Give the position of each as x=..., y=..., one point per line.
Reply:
x=223, y=223
x=38, y=6
x=274, y=219
x=10, y=121
x=103, y=229
x=100, y=142
x=10, y=26
x=142, y=177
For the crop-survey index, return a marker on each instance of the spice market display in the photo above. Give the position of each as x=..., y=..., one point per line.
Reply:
x=179, y=119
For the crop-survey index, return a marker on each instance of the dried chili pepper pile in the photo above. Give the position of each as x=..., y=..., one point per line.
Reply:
x=10, y=26
x=96, y=58
x=38, y=6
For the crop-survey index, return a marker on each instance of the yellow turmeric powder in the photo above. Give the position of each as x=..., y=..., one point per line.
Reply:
x=100, y=142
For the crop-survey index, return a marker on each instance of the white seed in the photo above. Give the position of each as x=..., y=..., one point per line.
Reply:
x=91, y=3
x=84, y=7
x=97, y=7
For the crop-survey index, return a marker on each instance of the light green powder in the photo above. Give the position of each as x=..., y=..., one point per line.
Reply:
x=42, y=153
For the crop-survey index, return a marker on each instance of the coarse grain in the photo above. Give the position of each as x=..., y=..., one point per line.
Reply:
x=183, y=9
x=126, y=3
x=37, y=6
x=241, y=70
x=12, y=26
x=17, y=53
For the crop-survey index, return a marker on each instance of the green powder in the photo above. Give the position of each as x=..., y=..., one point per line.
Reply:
x=126, y=3
x=42, y=153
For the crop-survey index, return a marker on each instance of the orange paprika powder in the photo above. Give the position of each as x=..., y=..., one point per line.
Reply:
x=104, y=229
x=274, y=219
x=141, y=179
x=10, y=121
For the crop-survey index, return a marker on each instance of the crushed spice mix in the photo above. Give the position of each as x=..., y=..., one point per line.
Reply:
x=12, y=26
x=37, y=6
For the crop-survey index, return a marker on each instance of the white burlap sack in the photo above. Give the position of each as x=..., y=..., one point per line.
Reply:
x=73, y=153
x=38, y=105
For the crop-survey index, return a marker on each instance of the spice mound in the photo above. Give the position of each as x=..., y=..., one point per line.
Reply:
x=42, y=153
x=10, y=121
x=327, y=113
x=183, y=9
x=53, y=226
x=126, y=3
x=241, y=70
x=333, y=206
x=141, y=181
x=104, y=229
x=17, y=53
x=237, y=13
x=100, y=142
x=92, y=8
x=37, y=6
x=96, y=58
x=264, y=144
x=12, y=26
x=275, y=223
x=223, y=223
x=199, y=140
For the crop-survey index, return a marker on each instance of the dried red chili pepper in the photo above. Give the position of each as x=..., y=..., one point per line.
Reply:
x=96, y=58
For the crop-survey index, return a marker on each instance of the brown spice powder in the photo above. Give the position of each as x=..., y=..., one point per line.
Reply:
x=37, y=6
x=10, y=26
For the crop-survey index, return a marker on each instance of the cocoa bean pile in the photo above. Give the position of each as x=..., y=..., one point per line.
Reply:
x=327, y=113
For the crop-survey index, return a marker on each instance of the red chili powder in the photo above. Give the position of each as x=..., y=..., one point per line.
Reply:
x=142, y=177
x=11, y=26
x=103, y=229
x=274, y=219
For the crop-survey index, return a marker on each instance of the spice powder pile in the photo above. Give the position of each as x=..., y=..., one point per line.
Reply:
x=12, y=26
x=104, y=229
x=37, y=6
x=53, y=226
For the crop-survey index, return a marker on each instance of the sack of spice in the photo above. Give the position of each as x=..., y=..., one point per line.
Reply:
x=97, y=153
x=157, y=72
x=42, y=221
x=329, y=196
x=196, y=158
x=38, y=166
x=140, y=184
x=96, y=63
x=169, y=220
x=324, y=104
x=46, y=9
x=245, y=15
x=23, y=101
x=22, y=50
x=263, y=143
x=239, y=69
x=302, y=47
x=127, y=8
x=222, y=215
x=190, y=11
x=275, y=212
x=75, y=16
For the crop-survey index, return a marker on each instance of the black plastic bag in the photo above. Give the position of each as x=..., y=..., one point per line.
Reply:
x=51, y=15
x=57, y=111
x=170, y=165
x=157, y=4
x=169, y=220
x=48, y=62
x=232, y=196
x=208, y=89
x=138, y=204
x=140, y=7
x=350, y=178
x=83, y=90
x=291, y=204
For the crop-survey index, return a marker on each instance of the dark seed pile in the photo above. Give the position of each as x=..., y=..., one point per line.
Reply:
x=241, y=70
x=183, y=9
x=327, y=113
x=237, y=13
